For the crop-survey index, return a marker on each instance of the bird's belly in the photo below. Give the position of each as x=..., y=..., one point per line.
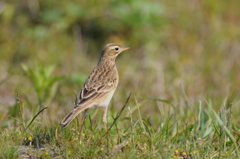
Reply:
x=107, y=99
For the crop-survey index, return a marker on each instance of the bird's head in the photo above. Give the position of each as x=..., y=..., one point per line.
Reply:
x=112, y=50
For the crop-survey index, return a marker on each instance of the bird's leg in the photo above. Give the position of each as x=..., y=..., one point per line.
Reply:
x=105, y=117
x=105, y=110
x=82, y=123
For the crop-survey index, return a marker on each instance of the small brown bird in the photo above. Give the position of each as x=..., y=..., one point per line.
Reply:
x=100, y=85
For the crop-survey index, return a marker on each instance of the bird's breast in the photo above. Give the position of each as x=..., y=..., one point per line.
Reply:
x=105, y=102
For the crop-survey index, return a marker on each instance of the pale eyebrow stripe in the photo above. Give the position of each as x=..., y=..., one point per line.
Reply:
x=112, y=47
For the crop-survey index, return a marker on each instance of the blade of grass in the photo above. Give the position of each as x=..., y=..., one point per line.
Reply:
x=139, y=114
x=35, y=116
x=218, y=120
x=118, y=115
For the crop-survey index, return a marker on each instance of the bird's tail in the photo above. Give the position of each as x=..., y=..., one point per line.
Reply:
x=67, y=119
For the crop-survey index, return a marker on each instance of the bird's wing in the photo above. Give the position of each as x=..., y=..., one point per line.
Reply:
x=94, y=88
x=90, y=94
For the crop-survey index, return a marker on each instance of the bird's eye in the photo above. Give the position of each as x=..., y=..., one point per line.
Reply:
x=116, y=48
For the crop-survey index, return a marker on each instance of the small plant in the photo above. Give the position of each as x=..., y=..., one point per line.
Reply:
x=43, y=82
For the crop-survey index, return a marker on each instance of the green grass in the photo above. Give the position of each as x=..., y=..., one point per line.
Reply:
x=199, y=132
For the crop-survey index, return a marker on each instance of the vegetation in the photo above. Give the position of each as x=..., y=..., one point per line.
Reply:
x=182, y=73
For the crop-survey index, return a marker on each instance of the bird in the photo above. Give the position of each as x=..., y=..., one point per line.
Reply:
x=99, y=87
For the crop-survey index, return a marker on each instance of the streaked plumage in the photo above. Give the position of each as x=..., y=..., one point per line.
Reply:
x=100, y=85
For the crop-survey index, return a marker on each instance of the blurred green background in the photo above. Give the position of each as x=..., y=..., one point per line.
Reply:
x=182, y=52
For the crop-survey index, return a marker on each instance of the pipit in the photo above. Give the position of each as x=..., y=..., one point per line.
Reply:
x=100, y=85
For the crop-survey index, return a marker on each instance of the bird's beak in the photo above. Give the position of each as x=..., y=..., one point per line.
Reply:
x=125, y=49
